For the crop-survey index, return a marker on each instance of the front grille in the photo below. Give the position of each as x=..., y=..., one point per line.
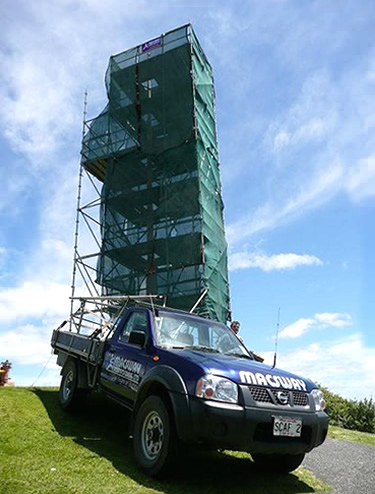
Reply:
x=265, y=396
x=300, y=399
x=261, y=395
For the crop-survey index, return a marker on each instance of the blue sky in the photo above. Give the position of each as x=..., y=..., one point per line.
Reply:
x=295, y=100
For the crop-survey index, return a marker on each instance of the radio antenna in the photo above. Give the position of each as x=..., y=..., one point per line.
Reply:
x=277, y=338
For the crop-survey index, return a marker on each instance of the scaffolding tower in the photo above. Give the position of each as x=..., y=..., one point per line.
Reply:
x=151, y=157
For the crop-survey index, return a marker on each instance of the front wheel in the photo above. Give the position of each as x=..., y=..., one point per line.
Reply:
x=71, y=397
x=278, y=463
x=153, y=438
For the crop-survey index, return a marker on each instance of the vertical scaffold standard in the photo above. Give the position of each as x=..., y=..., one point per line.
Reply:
x=154, y=148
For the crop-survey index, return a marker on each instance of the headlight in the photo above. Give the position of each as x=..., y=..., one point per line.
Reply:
x=319, y=400
x=217, y=388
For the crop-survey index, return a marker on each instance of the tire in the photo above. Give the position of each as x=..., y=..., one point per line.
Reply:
x=71, y=397
x=278, y=463
x=153, y=437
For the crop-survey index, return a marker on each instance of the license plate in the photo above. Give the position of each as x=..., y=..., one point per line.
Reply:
x=285, y=426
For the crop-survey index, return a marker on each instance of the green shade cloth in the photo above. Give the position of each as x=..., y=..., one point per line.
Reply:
x=154, y=148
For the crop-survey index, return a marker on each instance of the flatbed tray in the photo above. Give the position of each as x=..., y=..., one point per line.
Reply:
x=87, y=348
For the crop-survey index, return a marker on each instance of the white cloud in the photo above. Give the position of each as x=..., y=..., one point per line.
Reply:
x=319, y=321
x=27, y=344
x=311, y=118
x=360, y=181
x=14, y=189
x=308, y=131
x=34, y=299
x=318, y=190
x=345, y=366
x=298, y=328
x=336, y=320
x=313, y=129
x=42, y=94
x=281, y=140
x=3, y=259
x=37, y=105
x=278, y=262
x=315, y=147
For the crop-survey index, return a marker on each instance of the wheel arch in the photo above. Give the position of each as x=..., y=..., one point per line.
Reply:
x=81, y=368
x=167, y=383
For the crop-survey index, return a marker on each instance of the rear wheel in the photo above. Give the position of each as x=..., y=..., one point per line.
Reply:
x=278, y=463
x=153, y=437
x=71, y=397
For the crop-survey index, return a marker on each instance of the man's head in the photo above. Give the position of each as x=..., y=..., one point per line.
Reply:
x=235, y=326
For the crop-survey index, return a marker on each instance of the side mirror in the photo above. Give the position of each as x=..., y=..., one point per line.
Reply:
x=137, y=337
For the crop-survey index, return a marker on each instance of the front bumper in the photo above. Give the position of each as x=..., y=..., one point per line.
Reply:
x=247, y=428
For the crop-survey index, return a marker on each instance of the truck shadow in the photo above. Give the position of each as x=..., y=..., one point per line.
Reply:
x=102, y=426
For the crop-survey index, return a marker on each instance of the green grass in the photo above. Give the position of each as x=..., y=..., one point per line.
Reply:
x=353, y=436
x=45, y=450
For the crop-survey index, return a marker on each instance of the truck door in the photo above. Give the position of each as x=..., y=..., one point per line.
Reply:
x=125, y=363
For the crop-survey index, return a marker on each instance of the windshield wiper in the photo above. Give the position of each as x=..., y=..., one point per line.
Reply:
x=173, y=347
x=240, y=355
x=202, y=348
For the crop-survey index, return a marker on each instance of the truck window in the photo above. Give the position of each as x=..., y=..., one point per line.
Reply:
x=137, y=321
x=176, y=330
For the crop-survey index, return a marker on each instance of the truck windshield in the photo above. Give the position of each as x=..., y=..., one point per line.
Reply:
x=179, y=331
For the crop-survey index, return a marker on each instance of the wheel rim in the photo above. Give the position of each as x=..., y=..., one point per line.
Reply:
x=152, y=435
x=68, y=385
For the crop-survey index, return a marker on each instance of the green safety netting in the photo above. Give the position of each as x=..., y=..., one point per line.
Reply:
x=154, y=147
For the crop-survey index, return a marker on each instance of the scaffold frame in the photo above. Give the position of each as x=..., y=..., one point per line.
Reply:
x=150, y=159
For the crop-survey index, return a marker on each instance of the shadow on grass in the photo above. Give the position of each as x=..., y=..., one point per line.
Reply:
x=102, y=427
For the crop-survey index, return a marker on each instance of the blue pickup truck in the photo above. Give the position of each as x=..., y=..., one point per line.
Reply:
x=190, y=379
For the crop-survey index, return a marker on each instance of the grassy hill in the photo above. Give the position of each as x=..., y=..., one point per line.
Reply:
x=45, y=450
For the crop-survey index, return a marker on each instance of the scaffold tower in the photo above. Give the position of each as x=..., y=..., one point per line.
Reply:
x=152, y=156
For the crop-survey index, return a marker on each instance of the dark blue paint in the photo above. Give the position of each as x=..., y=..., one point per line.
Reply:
x=190, y=364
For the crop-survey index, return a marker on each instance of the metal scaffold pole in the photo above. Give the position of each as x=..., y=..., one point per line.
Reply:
x=76, y=232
